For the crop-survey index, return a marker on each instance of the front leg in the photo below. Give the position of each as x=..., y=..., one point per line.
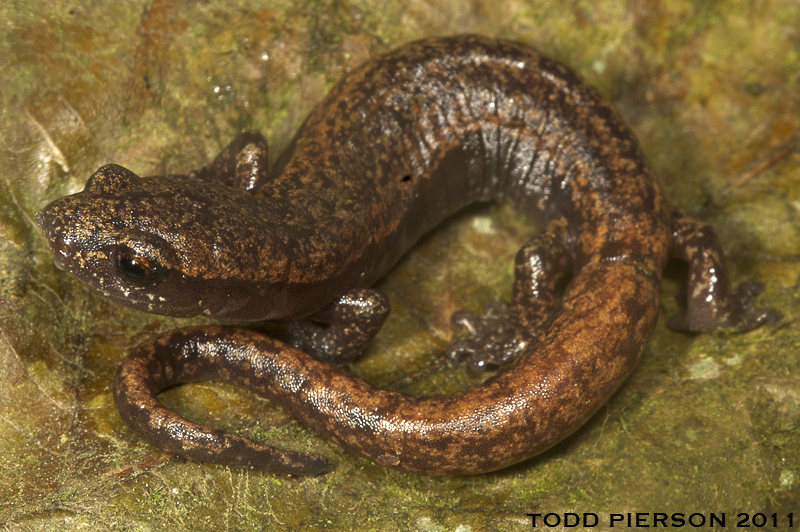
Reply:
x=244, y=164
x=339, y=331
x=710, y=302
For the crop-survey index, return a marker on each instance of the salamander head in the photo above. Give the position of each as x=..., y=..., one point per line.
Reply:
x=154, y=243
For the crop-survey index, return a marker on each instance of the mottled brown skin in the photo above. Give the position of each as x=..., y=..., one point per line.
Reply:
x=404, y=141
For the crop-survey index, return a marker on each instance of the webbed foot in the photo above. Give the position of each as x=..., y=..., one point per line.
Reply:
x=738, y=313
x=710, y=302
x=504, y=332
x=495, y=337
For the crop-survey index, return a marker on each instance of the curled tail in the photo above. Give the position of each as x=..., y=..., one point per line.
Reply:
x=592, y=344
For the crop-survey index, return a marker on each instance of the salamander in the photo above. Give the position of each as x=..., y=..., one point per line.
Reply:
x=404, y=141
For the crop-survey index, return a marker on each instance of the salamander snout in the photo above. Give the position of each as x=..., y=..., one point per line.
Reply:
x=63, y=237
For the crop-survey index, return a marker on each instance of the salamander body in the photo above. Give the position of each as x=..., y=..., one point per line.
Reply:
x=404, y=141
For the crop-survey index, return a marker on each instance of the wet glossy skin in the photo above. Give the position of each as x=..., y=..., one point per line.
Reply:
x=404, y=141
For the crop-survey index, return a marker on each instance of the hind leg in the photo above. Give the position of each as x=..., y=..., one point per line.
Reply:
x=710, y=302
x=504, y=331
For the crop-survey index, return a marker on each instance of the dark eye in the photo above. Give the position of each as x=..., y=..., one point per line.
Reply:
x=138, y=269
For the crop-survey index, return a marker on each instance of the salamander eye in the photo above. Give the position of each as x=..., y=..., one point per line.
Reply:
x=138, y=269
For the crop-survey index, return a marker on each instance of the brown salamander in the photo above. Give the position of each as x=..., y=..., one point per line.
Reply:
x=404, y=141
